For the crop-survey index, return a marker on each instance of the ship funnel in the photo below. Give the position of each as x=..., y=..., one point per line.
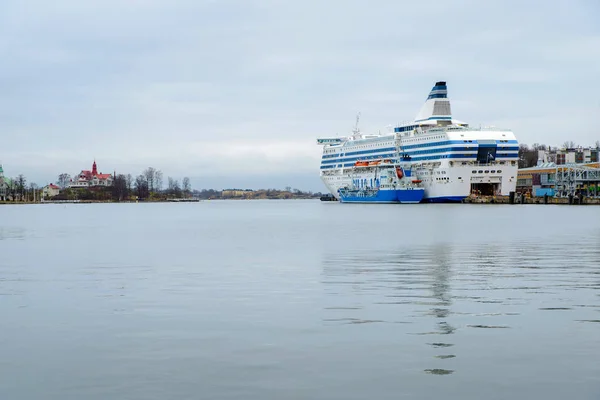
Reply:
x=439, y=91
x=437, y=105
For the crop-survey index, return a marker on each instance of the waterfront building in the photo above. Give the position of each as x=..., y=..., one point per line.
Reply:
x=5, y=185
x=575, y=155
x=93, y=178
x=561, y=180
x=50, y=190
x=235, y=192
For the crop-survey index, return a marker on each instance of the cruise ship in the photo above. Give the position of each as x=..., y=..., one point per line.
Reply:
x=452, y=159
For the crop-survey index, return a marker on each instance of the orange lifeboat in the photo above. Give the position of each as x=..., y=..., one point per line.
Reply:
x=361, y=164
x=399, y=172
x=417, y=181
x=375, y=162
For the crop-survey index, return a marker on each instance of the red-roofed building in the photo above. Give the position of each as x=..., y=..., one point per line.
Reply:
x=50, y=190
x=91, y=178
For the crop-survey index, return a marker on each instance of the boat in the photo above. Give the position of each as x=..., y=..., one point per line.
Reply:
x=328, y=197
x=380, y=182
x=450, y=158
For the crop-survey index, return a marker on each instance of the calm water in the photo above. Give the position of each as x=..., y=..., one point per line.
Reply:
x=299, y=300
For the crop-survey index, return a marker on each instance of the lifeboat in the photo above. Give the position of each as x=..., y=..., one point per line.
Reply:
x=417, y=181
x=399, y=172
x=361, y=164
x=375, y=162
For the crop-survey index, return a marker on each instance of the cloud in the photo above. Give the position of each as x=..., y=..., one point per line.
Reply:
x=218, y=87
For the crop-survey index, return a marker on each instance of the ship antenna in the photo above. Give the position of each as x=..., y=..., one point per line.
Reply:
x=356, y=130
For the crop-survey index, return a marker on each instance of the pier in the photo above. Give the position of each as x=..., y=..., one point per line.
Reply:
x=522, y=199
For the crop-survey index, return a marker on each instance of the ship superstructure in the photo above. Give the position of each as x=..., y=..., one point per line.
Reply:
x=387, y=183
x=451, y=158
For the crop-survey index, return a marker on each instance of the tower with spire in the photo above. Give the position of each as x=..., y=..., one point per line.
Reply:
x=87, y=178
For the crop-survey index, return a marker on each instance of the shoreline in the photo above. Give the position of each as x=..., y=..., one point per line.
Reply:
x=140, y=202
x=532, y=200
x=489, y=200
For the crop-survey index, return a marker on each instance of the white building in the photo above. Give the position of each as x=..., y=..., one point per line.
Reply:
x=579, y=155
x=5, y=184
x=50, y=190
x=86, y=179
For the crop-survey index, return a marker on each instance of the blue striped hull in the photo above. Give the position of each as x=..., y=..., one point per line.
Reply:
x=411, y=196
x=404, y=196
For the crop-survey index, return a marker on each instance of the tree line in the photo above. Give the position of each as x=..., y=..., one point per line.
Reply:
x=125, y=187
x=147, y=186
x=17, y=189
x=528, y=155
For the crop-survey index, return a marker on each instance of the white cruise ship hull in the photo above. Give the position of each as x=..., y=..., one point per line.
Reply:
x=452, y=184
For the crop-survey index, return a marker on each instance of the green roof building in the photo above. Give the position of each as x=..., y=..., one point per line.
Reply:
x=5, y=185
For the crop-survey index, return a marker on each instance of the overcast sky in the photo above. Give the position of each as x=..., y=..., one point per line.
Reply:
x=234, y=92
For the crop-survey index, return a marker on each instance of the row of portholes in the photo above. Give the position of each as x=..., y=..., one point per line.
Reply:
x=333, y=153
x=486, y=171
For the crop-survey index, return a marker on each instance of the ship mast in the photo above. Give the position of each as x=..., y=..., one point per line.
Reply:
x=356, y=131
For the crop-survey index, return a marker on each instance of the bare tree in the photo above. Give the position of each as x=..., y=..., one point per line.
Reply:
x=21, y=184
x=537, y=146
x=141, y=187
x=569, y=144
x=129, y=182
x=527, y=156
x=63, y=180
x=119, y=188
x=150, y=176
x=597, y=144
x=186, y=185
x=173, y=187
x=158, y=180
x=34, y=189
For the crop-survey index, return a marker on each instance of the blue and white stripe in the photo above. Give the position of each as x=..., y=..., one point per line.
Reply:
x=439, y=91
x=446, y=149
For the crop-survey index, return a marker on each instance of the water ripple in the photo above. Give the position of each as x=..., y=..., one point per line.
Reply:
x=446, y=288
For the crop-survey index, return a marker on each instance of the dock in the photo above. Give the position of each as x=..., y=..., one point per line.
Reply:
x=190, y=200
x=520, y=199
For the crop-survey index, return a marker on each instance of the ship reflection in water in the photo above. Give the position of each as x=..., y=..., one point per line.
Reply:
x=448, y=306
x=408, y=288
x=440, y=288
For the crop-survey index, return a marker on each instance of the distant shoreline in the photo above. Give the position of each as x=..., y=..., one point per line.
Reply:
x=142, y=201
